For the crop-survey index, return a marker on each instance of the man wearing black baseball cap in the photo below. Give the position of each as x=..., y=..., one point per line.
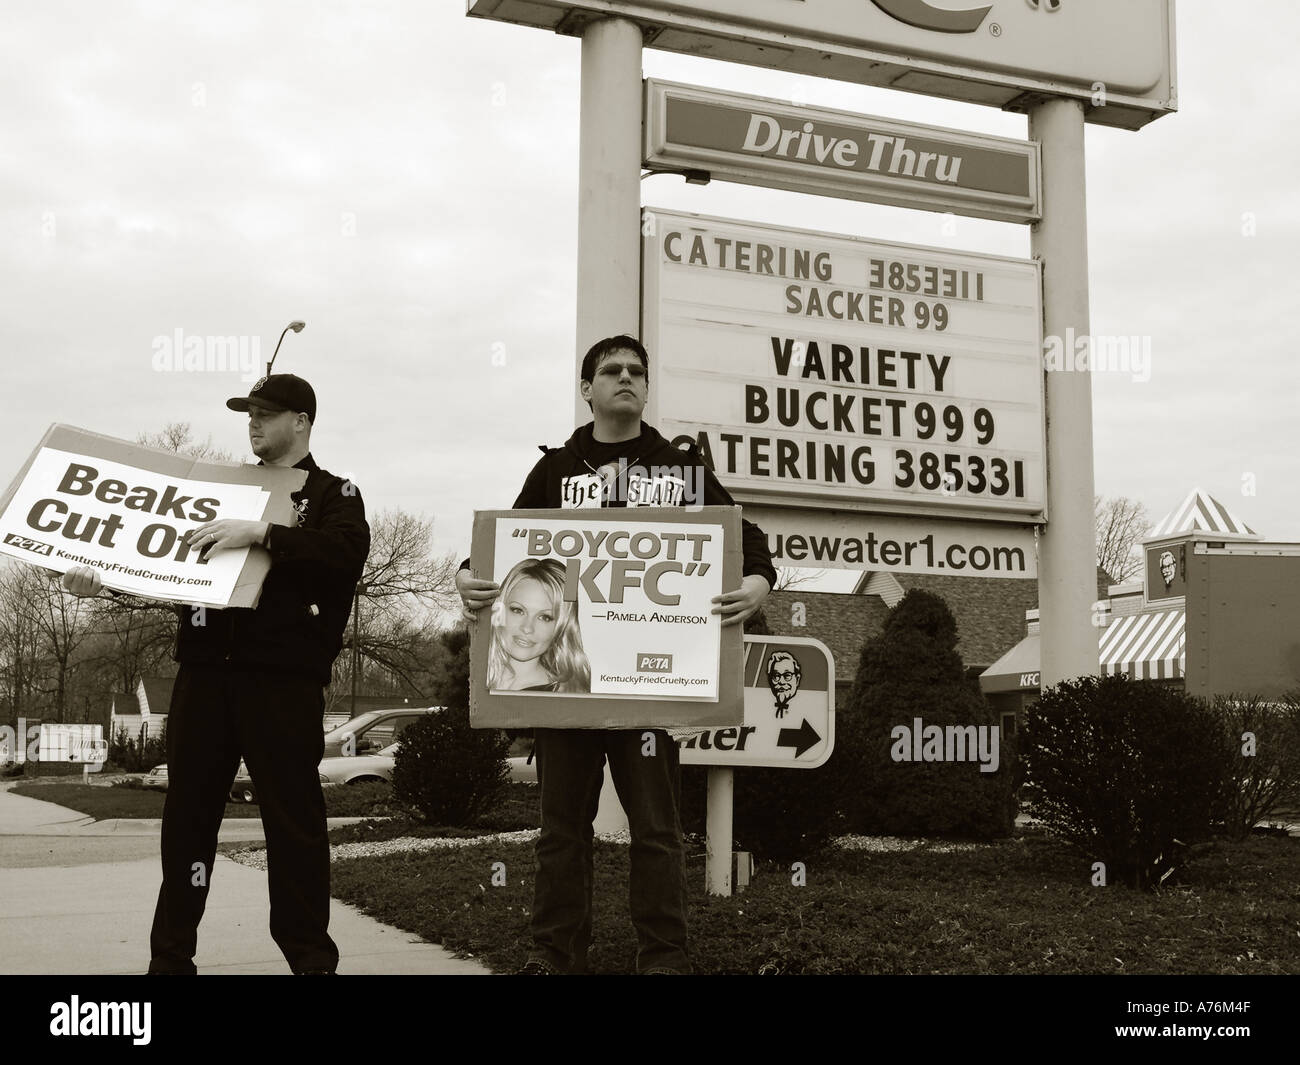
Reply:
x=251, y=685
x=279, y=392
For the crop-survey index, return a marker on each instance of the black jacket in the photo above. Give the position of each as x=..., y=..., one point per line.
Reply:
x=318, y=562
x=650, y=474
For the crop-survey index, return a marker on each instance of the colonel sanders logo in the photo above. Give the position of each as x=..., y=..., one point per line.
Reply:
x=1168, y=567
x=783, y=676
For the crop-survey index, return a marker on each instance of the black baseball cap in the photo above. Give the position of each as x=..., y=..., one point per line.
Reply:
x=284, y=391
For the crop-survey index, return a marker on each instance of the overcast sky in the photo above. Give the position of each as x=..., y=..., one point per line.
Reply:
x=404, y=179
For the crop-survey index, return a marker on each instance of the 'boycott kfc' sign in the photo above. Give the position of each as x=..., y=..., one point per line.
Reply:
x=90, y=500
x=605, y=618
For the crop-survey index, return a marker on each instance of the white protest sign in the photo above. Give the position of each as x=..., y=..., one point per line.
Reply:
x=644, y=599
x=605, y=618
x=125, y=510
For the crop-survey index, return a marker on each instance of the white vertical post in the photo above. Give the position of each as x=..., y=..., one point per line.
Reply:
x=610, y=816
x=717, y=868
x=1067, y=561
x=609, y=187
x=609, y=222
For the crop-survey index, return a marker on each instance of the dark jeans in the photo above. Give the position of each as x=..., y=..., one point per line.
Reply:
x=274, y=721
x=570, y=771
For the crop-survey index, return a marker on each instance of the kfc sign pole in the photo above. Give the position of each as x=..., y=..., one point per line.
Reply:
x=789, y=724
x=609, y=213
x=1067, y=549
x=609, y=187
x=719, y=806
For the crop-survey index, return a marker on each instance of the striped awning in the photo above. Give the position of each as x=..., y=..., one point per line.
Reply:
x=1147, y=646
x=1201, y=512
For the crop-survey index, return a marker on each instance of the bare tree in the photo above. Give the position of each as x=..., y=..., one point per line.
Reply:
x=401, y=573
x=133, y=639
x=788, y=577
x=404, y=590
x=1121, y=524
x=44, y=629
x=178, y=437
x=19, y=641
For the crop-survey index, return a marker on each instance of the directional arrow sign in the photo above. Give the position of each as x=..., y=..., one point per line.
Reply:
x=789, y=709
x=803, y=738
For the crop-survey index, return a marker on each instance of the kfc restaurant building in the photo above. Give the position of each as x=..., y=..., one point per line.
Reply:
x=1218, y=612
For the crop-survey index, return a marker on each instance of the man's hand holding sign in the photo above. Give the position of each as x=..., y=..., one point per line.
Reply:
x=736, y=607
x=227, y=534
x=220, y=535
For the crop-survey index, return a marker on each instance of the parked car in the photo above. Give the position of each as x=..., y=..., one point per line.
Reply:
x=339, y=769
x=359, y=767
x=360, y=737
x=372, y=731
x=155, y=778
x=242, y=789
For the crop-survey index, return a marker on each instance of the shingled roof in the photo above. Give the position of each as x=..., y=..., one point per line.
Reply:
x=990, y=613
x=155, y=694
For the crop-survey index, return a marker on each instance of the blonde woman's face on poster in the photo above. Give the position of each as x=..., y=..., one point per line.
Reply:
x=529, y=620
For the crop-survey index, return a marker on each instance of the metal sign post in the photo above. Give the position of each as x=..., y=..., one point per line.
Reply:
x=789, y=724
x=1067, y=551
x=609, y=188
x=718, y=822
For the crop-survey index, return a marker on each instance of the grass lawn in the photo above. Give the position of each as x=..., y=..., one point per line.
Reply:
x=103, y=803
x=517, y=810
x=371, y=799
x=1018, y=906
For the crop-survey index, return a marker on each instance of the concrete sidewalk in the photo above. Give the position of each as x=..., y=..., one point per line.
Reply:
x=79, y=898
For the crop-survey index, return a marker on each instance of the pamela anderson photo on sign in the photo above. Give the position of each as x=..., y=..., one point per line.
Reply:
x=605, y=619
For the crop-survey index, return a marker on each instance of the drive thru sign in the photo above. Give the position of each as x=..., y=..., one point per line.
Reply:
x=789, y=709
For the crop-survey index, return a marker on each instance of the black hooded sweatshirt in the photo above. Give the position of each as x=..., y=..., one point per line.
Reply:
x=645, y=471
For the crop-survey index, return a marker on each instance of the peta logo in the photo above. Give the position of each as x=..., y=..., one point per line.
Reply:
x=926, y=16
x=27, y=544
x=654, y=663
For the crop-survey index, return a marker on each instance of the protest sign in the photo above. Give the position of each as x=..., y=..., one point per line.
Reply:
x=605, y=619
x=84, y=499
